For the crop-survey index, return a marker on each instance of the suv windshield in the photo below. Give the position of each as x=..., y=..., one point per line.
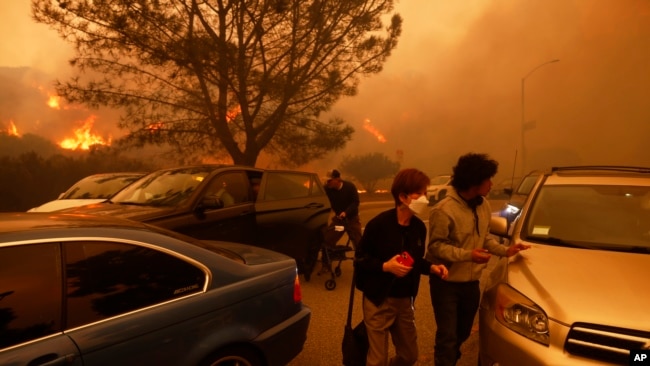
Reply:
x=609, y=217
x=163, y=188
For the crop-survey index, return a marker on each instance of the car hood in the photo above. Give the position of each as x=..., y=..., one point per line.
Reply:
x=593, y=286
x=63, y=204
x=132, y=212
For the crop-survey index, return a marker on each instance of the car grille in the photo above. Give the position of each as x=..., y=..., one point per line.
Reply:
x=603, y=343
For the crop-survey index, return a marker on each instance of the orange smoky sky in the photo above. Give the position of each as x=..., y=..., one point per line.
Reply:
x=454, y=82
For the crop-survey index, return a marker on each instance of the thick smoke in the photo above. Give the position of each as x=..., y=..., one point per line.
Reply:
x=454, y=83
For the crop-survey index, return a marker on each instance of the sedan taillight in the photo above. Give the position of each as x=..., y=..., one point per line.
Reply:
x=297, y=292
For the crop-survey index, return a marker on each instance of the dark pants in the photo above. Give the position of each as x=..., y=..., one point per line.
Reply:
x=454, y=308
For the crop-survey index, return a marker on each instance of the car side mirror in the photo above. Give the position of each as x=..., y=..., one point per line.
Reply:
x=211, y=202
x=499, y=226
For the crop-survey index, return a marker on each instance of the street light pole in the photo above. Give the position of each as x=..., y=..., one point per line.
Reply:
x=523, y=112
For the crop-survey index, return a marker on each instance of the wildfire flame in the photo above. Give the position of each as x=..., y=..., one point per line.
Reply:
x=233, y=113
x=155, y=127
x=12, y=130
x=84, y=139
x=54, y=102
x=367, y=125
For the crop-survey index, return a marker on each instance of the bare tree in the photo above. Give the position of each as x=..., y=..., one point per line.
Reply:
x=369, y=169
x=224, y=78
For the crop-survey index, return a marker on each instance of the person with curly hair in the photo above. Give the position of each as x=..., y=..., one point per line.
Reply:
x=459, y=238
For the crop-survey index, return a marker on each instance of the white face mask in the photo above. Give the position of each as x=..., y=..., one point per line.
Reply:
x=419, y=206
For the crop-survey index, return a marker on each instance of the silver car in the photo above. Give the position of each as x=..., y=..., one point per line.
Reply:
x=581, y=294
x=438, y=188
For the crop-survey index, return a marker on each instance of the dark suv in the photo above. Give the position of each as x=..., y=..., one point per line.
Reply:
x=276, y=209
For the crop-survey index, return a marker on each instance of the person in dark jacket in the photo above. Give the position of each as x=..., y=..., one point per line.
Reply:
x=344, y=200
x=389, y=262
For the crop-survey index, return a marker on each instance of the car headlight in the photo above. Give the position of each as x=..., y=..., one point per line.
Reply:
x=518, y=313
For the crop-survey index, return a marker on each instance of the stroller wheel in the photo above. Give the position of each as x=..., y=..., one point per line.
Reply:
x=330, y=285
x=337, y=271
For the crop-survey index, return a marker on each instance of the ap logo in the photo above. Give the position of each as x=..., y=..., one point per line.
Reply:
x=640, y=357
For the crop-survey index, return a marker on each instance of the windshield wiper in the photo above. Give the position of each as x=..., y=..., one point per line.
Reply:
x=557, y=241
x=631, y=249
x=130, y=203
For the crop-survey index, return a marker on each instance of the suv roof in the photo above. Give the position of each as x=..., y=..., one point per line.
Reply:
x=596, y=175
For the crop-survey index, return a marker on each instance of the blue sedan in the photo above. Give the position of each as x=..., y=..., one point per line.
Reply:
x=87, y=290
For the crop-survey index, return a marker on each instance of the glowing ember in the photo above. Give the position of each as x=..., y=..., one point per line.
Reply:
x=155, y=127
x=84, y=139
x=367, y=125
x=233, y=113
x=12, y=130
x=53, y=102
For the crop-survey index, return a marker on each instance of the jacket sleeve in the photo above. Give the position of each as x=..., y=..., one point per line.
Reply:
x=441, y=247
x=353, y=207
x=366, y=256
x=490, y=243
x=422, y=265
x=494, y=247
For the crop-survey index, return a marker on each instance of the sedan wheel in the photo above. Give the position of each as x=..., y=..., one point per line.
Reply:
x=238, y=356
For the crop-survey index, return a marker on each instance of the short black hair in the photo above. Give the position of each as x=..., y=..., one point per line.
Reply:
x=334, y=174
x=472, y=169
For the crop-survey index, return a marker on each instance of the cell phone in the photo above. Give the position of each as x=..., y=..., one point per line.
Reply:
x=405, y=259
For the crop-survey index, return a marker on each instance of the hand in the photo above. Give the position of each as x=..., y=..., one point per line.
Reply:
x=516, y=248
x=440, y=270
x=480, y=255
x=395, y=267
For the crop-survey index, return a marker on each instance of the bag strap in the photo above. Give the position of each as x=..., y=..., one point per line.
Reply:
x=350, y=305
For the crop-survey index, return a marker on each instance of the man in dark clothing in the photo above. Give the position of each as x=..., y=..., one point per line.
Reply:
x=344, y=199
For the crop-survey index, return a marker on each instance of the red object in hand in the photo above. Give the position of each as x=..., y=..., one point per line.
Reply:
x=405, y=259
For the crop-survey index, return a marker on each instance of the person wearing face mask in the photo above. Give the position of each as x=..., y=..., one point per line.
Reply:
x=389, y=261
x=458, y=236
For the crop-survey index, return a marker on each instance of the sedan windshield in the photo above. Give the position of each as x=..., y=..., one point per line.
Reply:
x=596, y=217
x=163, y=188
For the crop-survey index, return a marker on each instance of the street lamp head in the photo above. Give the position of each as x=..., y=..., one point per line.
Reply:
x=538, y=66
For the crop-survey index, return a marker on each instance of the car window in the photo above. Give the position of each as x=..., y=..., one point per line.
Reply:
x=30, y=293
x=99, y=187
x=105, y=279
x=316, y=186
x=164, y=188
x=285, y=185
x=527, y=184
x=231, y=188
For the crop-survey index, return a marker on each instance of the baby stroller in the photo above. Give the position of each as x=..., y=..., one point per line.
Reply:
x=338, y=252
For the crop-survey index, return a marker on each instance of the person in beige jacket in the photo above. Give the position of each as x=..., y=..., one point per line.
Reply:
x=458, y=238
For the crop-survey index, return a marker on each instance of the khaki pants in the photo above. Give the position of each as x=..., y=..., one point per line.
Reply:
x=395, y=316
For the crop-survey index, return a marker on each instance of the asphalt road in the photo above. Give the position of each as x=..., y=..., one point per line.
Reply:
x=329, y=312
